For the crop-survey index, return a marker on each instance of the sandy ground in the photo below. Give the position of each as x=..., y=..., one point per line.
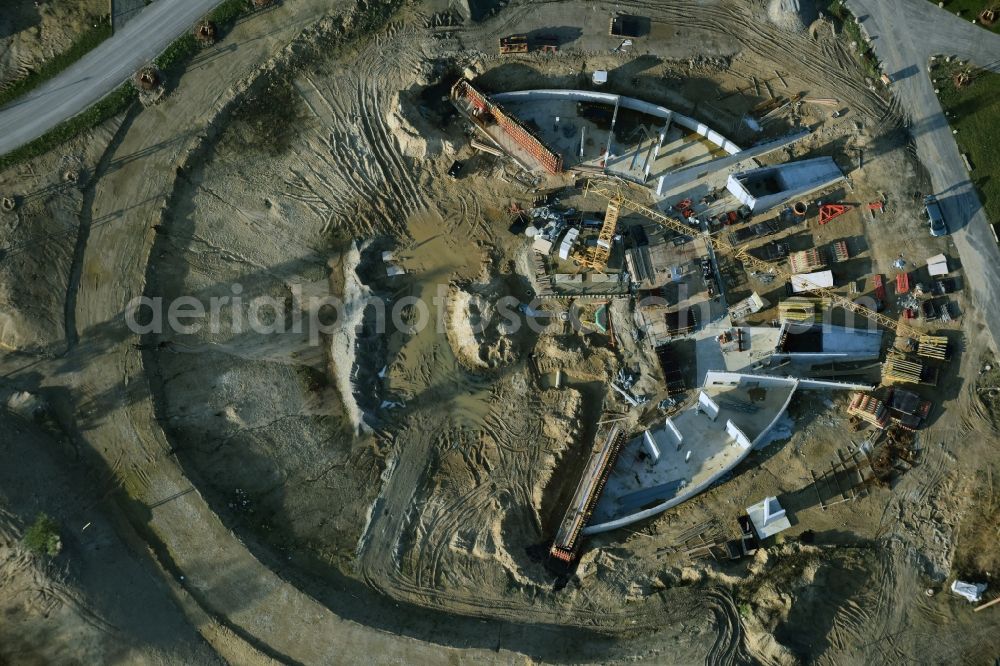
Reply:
x=31, y=32
x=394, y=492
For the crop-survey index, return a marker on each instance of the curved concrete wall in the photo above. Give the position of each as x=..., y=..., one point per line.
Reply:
x=627, y=102
x=720, y=378
x=660, y=508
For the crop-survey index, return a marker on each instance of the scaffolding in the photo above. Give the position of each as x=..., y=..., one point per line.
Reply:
x=596, y=257
x=483, y=109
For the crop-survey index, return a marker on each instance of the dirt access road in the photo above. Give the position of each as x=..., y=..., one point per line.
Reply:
x=97, y=73
x=905, y=34
x=239, y=605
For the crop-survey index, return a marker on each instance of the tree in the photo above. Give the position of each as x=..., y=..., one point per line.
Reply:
x=42, y=538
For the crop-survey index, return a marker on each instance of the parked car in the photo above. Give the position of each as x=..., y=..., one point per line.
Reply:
x=935, y=219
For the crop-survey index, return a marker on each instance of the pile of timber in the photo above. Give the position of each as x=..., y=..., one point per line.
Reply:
x=933, y=346
x=898, y=368
x=802, y=309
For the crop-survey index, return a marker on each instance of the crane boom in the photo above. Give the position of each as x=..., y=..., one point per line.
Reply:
x=596, y=257
x=617, y=197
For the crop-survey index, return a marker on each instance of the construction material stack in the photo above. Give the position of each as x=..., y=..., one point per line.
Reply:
x=802, y=309
x=933, y=346
x=839, y=251
x=513, y=44
x=898, y=368
x=868, y=409
x=806, y=261
x=748, y=306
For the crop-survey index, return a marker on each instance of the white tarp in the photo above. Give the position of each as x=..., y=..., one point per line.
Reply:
x=567, y=243
x=809, y=281
x=937, y=265
x=542, y=246
x=972, y=592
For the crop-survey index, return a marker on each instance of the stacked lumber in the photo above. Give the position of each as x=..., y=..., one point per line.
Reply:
x=806, y=261
x=869, y=409
x=899, y=369
x=800, y=309
x=933, y=346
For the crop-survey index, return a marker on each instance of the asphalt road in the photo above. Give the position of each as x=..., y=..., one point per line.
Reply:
x=905, y=33
x=99, y=72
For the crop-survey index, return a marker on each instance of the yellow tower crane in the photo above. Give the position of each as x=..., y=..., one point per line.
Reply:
x=617, y=199
x=596, y=257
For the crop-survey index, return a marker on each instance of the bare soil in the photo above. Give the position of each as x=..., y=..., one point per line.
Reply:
x=32, y=32
x=409, y=480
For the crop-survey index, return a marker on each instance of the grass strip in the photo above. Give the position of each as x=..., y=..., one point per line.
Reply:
x=973, y=110
x=56, y=64
x=969, y=9
x=175, y=57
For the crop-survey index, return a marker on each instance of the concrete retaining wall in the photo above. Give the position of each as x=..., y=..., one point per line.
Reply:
x=626, y=102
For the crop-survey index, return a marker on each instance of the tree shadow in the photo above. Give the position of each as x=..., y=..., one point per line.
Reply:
x=19, y=15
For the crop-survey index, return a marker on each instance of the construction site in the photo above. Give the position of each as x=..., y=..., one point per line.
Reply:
x=676, y=369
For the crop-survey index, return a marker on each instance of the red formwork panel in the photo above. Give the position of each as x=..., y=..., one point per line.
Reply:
x=551, y=161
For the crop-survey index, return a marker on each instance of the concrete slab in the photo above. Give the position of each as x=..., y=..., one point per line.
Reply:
x=693, y=450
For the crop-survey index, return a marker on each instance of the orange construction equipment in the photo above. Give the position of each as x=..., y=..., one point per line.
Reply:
x=879, y=287
x=877, y=207
x=829, y=211
x=902, y=283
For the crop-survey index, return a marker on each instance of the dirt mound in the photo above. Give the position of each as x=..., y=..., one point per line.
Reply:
x=484, y=325
x=791, y=14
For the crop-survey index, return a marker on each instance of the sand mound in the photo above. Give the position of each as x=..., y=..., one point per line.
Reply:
x=482, y=324
x=791, y=14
